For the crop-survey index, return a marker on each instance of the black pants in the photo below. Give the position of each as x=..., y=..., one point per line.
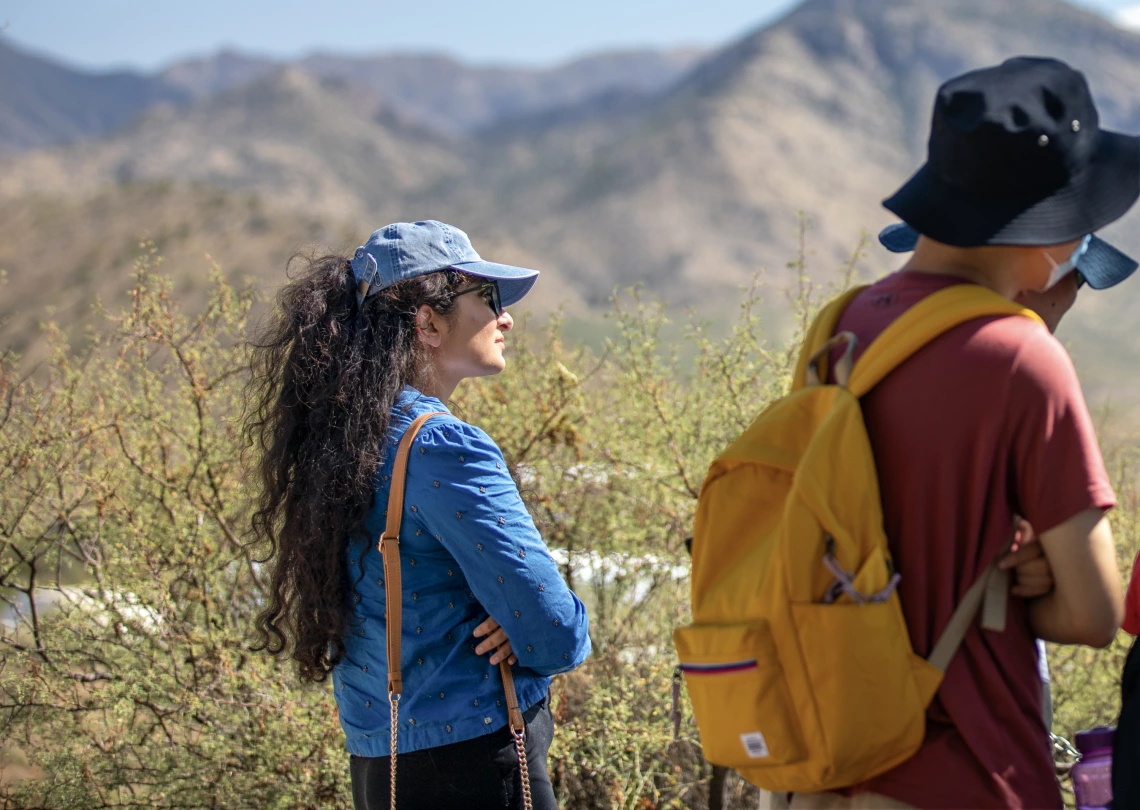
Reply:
x=479, y=774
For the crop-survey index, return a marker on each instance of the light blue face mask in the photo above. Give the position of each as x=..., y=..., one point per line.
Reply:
x=1069, y=265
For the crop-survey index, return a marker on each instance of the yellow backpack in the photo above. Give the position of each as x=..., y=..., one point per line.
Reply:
x=798, y=663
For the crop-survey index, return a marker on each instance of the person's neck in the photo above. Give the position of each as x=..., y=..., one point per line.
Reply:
x=995, y=268
x=433, y=385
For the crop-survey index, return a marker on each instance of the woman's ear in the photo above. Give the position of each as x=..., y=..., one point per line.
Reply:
x=430, y=327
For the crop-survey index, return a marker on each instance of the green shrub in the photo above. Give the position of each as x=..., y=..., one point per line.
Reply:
x=125, y=673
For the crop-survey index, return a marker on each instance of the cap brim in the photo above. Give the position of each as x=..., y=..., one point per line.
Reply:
x=1102, y=265
x=514, y=282
x=961, y=217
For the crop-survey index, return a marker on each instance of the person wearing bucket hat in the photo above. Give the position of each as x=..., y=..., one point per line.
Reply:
x=440, y=645
x=987, y=423
x=1102, y=266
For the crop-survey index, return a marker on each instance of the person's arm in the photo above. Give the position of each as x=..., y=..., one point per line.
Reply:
x=479, y=517
x=1086, y=605
x=1060, y=486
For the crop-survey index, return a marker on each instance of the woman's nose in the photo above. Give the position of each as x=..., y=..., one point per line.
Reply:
x=506, y=322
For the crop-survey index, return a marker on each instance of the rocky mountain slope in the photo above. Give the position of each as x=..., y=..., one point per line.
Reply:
x=43, y=103
x=689, y=190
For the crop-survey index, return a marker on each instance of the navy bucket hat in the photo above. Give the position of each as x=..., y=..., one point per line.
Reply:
x=1017, y=157
x=405, y=250
x=1102, y=265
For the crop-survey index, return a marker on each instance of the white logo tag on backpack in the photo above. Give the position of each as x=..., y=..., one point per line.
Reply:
x=755, y=744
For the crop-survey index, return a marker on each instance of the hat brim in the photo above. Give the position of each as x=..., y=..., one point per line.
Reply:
x=1102, y=265
x=514, y=282
x=1100, y=194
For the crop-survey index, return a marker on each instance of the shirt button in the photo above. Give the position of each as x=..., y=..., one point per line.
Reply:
x=461, y=458
x=522, y=553
x=412, y=561
x=482, y=489
x=498, y=466
x=435, y=483
x=529, y=648
x=566, y=656
x=441, y=695
x=415, y=596
x=500, y=579
x=475, y=702
x=448, y=728
x=380, y=581
x=412, y=720
x=419, y=630
x=487, y=720
x=459, y=514
x=422, y=450
x=414, y=509
x=542, y=587
x=498, y=703
x=362, y=631
x=356, y=597
x=368, y=704
x=502, y=521
x=450, y=573
x=448, y=636
x=364, y=668
x=419, y=532
x=556, y=622
x=420, y=661
x=451, y=605
x=517, y=614
x=479, y=546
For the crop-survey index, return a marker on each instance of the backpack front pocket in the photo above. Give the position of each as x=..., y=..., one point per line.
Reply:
x=739, y=695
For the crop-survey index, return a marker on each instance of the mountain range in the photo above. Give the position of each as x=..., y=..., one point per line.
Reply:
x=684, y=171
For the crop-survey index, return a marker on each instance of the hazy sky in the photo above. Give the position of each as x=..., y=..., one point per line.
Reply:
x=147, y=34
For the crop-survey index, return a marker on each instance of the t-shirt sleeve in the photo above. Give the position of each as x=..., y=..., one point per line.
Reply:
x=480, y=518
x=1057, y=465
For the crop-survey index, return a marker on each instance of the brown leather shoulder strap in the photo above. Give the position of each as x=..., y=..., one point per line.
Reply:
x=390, y=552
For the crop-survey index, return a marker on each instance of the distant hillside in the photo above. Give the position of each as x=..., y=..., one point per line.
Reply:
x=43, y=103
x=318, y=145
x=689, y=189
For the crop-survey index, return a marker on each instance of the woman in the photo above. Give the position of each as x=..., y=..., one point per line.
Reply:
x=357, y=350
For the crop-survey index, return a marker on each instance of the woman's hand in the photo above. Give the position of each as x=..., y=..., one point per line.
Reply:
x=1032, y=574
x=496, y=639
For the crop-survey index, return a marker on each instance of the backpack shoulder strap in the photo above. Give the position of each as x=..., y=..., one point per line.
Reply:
x=923, y=322
x=390, y=552
x=820, y=332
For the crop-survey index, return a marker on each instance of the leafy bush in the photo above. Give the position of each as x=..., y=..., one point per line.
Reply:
x=126, y=678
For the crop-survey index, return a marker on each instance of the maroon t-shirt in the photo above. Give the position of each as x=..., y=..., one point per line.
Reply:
x=985, y=422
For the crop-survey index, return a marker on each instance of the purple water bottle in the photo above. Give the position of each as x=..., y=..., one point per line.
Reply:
x=1092, y=775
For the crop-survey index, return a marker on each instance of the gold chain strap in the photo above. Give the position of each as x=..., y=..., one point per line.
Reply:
x=394, y=703
x=524, y=774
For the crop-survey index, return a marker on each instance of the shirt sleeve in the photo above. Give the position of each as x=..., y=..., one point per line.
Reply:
x=479, y=516
x=1057, y=464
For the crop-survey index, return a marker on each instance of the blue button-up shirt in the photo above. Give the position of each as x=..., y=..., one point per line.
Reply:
x=468, y=549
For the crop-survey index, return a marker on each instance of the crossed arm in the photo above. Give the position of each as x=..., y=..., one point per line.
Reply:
x=1070, y=576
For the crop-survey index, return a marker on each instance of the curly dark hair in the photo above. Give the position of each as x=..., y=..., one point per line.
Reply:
x=324, y=380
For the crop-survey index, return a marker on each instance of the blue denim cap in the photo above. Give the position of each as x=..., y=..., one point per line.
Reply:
x=405, y=250
x=1102, y=265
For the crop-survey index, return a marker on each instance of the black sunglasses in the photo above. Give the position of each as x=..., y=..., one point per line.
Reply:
x=493, y=300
